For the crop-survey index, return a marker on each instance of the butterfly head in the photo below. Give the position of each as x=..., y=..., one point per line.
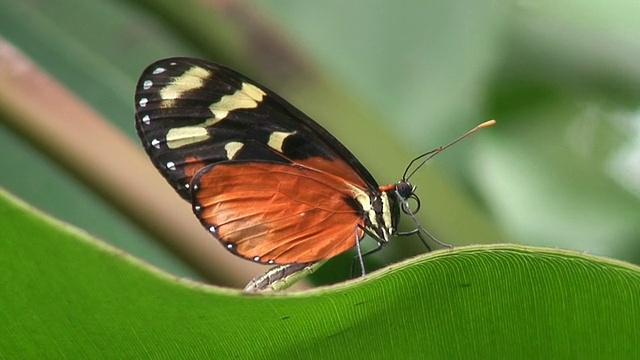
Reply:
x=404, y=191
x=384, y=214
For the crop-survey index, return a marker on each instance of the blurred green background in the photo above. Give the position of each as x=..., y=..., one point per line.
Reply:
x=560, y=169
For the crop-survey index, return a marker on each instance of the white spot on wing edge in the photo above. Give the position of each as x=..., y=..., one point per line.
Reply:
x=256, y=258
x=171, y=165
x=146, y=119
x=147, y=84
x=143, y=102
x=155, y=143
x=158, y=70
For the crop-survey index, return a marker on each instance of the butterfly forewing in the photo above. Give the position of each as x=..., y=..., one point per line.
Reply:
x=191, y=113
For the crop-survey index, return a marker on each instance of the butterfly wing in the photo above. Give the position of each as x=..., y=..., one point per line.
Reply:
x=191, y=113
x=276, y=213
x=266, y=180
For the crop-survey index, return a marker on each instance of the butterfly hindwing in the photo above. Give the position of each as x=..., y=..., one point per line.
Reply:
x=276, y=213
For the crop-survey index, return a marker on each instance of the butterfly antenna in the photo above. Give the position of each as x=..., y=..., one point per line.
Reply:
x=428, y=155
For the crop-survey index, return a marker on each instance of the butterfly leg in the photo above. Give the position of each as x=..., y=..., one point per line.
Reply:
x=359, y=258
x=281, y=277
x=420, y=230
x=415, y=231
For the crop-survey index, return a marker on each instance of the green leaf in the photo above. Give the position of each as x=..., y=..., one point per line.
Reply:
x=65, y=294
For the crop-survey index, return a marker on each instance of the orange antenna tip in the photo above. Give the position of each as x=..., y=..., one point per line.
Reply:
x=423, y=158
x=487, y=124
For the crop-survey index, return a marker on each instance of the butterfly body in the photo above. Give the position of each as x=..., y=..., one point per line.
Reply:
x=266, y=180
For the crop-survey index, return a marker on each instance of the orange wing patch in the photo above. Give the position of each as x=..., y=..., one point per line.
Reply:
x=277, y=213
x=336, y=167
x=191, y=167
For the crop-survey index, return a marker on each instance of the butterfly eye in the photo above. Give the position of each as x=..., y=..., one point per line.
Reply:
x=405, y=189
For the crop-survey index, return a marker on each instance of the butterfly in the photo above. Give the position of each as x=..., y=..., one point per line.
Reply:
x=267, y=181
